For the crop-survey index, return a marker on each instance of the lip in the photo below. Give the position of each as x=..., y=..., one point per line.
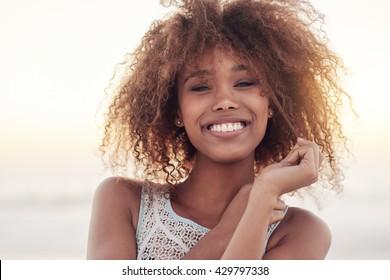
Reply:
x=226, y=120
x=229, y=134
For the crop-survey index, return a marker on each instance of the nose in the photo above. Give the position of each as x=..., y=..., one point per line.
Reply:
x=225, y=100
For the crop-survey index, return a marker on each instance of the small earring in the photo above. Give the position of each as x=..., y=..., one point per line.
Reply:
x=178, y=123
x=270, y=114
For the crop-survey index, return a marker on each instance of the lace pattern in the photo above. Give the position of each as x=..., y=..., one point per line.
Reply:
x=162, y=234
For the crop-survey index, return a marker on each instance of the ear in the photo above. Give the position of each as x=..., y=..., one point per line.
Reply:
x=270, y=113
x=179, y=119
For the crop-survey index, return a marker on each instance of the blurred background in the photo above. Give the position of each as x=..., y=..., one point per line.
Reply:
x=56, y=58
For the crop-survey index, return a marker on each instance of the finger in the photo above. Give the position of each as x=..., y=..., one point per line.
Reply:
x=301, y=141
x=297, y=155
x=317, y=153
x=280, y=205
x=293, y=158
x=276, y=216
x=304, y=157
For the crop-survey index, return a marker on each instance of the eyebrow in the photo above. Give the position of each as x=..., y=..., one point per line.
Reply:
x=240, y=67
x=202, y=73
x=198, y=73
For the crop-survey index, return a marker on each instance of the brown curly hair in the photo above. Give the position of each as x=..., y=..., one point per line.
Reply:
x=281, y=41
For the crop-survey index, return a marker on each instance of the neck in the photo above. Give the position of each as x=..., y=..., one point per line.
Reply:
x=214, y=185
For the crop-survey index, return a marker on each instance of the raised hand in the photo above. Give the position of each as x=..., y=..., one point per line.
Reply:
x=300, y=168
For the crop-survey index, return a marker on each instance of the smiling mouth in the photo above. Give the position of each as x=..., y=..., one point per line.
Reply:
x=227, y=127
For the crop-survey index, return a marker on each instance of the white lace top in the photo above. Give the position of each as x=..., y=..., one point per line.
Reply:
x=164, y=235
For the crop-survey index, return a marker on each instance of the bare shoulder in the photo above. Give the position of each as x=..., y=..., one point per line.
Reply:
x=114, y=219
x=120, y=184
x=121, y=192
x=300, y=235
x=299, y=219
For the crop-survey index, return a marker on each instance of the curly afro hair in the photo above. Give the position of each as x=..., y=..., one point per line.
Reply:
x=280, y=40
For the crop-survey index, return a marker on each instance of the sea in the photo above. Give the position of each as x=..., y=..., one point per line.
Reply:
x=55, y=229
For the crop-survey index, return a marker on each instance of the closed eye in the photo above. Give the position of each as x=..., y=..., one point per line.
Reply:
x=200, y=88
x=244, y=84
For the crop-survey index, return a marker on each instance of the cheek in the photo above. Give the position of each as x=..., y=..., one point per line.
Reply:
x=260, y=105
x=262, y=115
x=192, y=108
x=186, y=110
x=183, y=107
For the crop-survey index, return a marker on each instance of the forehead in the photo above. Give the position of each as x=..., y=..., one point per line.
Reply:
x=213, y=60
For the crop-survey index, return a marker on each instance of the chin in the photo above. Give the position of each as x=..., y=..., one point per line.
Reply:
x=232, y=158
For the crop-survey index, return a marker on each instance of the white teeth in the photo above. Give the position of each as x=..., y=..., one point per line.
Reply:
x=226, y=127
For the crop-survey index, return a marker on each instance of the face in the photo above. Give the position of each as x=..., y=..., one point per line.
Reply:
x=222, y=107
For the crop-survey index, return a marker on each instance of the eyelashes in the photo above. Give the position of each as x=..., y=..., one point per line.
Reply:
x=205, y=87
x=245, y=84
x=200, y=88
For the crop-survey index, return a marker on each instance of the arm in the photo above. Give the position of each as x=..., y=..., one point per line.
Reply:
x=213, y=245
x=248, y=240
x=298, y=169
x=302, y=235
x=114, y=214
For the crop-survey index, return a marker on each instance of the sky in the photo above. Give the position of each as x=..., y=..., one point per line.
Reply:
x=57, y=57
x=56, y=60
x=358, y=31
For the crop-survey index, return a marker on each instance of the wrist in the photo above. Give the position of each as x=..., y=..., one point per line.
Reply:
x=266, y=189
x=222, y=233
x=209, y=247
